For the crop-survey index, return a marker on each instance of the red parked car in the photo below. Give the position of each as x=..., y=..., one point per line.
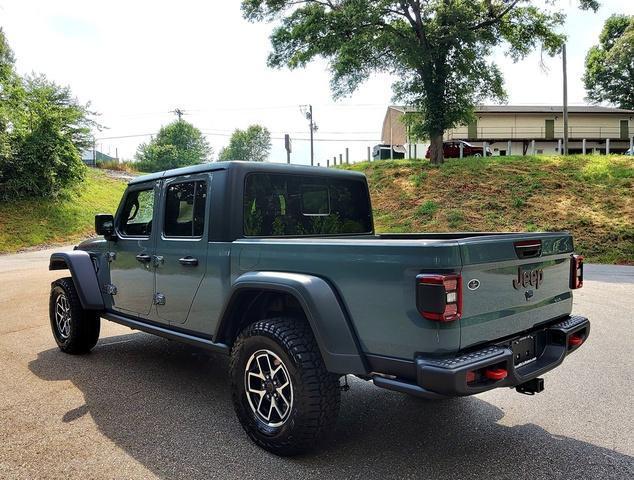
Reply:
x=451, y=149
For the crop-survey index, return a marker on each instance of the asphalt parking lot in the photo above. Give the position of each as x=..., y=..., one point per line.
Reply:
x=144, y=407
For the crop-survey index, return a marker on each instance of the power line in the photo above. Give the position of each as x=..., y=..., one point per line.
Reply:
x=217, y=134
x=340, y=132
x=127, y=136
x=253, y=108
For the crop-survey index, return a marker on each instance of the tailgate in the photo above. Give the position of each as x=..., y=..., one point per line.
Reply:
x=513, y=282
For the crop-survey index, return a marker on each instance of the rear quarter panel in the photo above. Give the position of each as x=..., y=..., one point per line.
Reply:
x=375, y=281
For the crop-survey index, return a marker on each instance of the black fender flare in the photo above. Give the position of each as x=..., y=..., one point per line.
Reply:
x=327, y=318
x=84, y=276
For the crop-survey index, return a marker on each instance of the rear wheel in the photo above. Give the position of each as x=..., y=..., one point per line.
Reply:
x=75, y=330
x=282, y=393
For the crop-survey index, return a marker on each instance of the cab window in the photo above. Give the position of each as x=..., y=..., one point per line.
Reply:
x=185, y=209
x=296, y=205
x=136, y=217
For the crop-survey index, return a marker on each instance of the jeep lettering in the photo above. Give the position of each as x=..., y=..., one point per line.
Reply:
x=528, y=278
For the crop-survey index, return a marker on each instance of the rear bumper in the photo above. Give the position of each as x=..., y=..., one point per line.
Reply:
x=448, y=377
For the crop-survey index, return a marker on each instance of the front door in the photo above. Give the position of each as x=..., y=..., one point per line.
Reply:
x=550, y=129
x=625, y=130
x=181, y=246
x=131, y=270
x=472, y=130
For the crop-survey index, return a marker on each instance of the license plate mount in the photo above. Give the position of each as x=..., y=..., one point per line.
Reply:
x=523, y=350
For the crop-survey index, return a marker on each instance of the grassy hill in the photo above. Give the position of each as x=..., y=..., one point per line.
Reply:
x=71, y=217
x=591, y=196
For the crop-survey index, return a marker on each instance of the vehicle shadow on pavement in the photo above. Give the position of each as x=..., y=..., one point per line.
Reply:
x=169, y=406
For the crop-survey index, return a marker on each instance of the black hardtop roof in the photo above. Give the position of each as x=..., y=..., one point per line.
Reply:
x=248, y=167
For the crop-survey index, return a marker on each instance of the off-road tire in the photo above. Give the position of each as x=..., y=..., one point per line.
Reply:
x=316, y=392
x=82, y=331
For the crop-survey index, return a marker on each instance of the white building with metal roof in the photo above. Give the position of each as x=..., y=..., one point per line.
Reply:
x=529, y=129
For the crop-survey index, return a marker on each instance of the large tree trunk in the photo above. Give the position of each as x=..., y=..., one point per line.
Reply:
x=436, y=152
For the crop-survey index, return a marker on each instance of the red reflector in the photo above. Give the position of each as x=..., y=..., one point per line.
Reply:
x=471, y=376
x=575, y=340
x=495, y=373
x=451, y=283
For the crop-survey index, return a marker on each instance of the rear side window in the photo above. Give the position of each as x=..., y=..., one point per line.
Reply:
x=295, y=205
x=185, y=209
x=136, y=217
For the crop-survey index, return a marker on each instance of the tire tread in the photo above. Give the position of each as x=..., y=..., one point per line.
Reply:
x=86, y=324
x=320, y=388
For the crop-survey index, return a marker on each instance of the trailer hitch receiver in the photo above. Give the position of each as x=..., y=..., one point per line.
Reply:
x=531, y=387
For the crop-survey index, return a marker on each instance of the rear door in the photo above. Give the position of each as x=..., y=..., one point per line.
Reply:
x=181, y=247
x=513, y=282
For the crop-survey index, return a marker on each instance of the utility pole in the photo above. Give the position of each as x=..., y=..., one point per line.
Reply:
x=307, y=110
x=287, y=146
x=563, y=58
x=311, y=126
x=178, y=112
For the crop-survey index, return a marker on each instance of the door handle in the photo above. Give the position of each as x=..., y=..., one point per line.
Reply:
x=143, y=257
x=188, y=261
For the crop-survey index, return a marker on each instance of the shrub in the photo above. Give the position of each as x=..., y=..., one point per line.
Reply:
x=121, y=165
x=427, y=210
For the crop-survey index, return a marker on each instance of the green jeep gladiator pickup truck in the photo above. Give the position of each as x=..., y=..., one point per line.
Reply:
x=279, y=267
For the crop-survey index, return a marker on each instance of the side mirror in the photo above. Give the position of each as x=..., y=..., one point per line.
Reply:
x=104, y=224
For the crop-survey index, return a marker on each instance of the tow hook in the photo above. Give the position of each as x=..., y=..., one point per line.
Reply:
x=531, y=387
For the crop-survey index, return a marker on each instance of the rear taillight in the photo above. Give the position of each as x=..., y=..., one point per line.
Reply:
x=439, y=297
x=576, y=272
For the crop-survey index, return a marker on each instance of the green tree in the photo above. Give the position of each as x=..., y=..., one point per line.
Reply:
x=6, y=59
x=42, y=129
x=609, y=75
x=8, y=83
x=178, y=144
x=253, y=144
x=439, y=50
x=48, y=130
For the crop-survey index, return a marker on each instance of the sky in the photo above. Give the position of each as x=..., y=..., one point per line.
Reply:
x=137, y=61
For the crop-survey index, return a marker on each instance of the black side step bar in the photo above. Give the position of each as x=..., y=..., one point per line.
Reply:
x=167, y=333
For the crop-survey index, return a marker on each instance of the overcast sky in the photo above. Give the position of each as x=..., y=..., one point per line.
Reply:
x=135, y=61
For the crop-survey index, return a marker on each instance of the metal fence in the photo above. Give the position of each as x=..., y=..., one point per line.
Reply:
x=524, y=132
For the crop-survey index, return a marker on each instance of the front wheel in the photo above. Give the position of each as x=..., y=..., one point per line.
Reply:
x=75, y=330
x=282, y=393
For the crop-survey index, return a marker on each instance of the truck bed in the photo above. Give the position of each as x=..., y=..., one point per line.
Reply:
x=374, y=276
